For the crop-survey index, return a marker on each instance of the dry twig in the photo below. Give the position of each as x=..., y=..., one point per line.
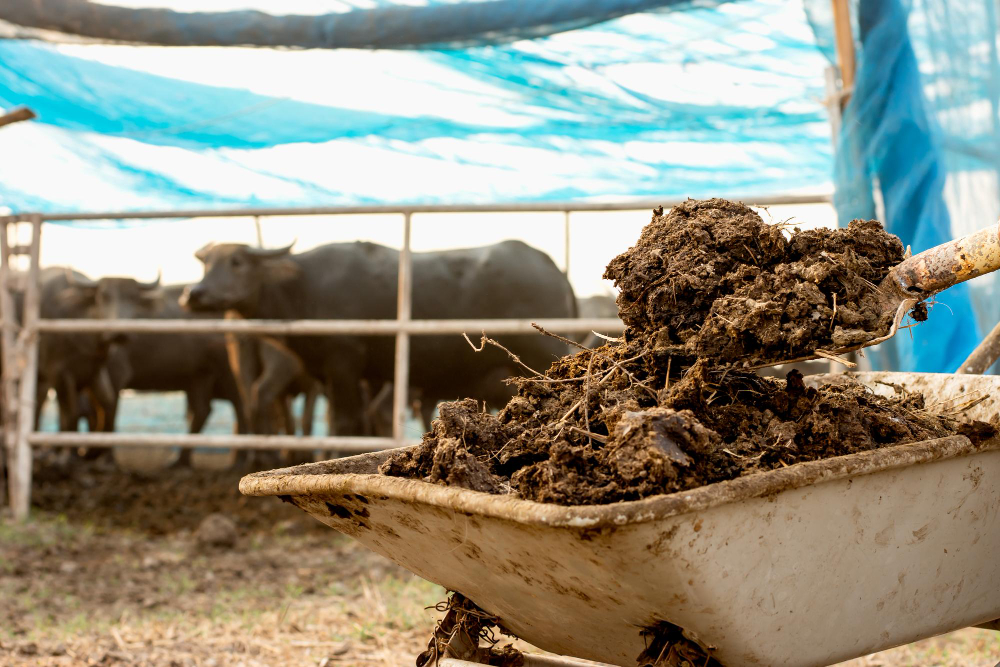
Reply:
x=572, y=343
x=486, y=339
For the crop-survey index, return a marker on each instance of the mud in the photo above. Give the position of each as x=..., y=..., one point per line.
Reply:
x=671, y=407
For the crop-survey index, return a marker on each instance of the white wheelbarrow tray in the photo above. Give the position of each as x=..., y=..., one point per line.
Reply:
x=807, y=565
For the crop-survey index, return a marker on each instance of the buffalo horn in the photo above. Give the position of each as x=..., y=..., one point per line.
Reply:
x=265, y=253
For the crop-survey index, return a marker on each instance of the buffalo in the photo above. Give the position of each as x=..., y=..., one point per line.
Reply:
x=359, y=281
x=196, y=364
x=74, y=365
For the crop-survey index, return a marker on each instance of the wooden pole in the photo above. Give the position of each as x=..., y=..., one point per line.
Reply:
x=985, y=354
x=566, y=243
x=20, y=473
x=404, y=308
x=17, y=115
x=9, y=391
x=844, y=37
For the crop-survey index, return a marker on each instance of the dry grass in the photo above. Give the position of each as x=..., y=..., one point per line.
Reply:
x=971, y=647
x=75, y=597
x=108, y=573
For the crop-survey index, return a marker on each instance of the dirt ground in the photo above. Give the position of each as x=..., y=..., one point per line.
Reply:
x=109, y=572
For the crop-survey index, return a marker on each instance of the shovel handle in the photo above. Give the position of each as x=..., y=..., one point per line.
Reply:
x=950, y=263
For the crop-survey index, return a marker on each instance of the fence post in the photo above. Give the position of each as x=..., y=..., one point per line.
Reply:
x=260, y=233
x=404, y=308
x=566, y=242
x=27, y=362
x=9, y=316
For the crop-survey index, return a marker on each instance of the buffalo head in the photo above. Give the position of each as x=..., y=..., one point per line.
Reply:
x=112, y=299
x=234, y=276
x=127, y=299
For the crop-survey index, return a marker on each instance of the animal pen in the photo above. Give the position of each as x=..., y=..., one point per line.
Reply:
x=20, y=341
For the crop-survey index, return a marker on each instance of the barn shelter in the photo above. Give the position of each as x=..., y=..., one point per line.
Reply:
x=493, y=105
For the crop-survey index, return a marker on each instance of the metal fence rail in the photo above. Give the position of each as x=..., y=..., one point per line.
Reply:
x=342, y=444
x=330, y=327
x=20, y=341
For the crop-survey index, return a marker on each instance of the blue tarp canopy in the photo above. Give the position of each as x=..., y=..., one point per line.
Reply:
x=483, y=101
x=722, y=99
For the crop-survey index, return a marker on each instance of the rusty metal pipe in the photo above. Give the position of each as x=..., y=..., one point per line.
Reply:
x=950, y=263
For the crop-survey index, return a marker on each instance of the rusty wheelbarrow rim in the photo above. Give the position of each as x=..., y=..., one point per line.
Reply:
x=317, y=479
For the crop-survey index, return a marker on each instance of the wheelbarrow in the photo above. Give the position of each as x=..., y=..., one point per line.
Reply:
x=807, y=565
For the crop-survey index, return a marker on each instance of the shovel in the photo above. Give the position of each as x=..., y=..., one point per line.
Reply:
x=922, y=276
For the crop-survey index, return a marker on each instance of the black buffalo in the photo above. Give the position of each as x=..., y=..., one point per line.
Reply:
x=359, y=281
x=74, y=365
x=196, y=364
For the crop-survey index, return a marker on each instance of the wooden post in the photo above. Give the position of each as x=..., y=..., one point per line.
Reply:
x=844, y=37
x=985, y=354
x=404, y=308
x=27, y=365
x=9, y=320
x=566, y=242
x=260, y=234
x=17, y=115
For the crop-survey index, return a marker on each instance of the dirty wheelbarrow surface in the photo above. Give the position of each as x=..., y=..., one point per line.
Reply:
x=807, y=565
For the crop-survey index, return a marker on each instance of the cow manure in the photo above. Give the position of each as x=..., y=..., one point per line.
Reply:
x=710, y=279
x=670, y=406
x=666, y=646
x=460, y=632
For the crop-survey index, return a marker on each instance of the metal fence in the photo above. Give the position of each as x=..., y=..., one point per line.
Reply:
x=20, y=340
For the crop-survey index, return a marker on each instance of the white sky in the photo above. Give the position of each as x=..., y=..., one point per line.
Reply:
x=141, y=251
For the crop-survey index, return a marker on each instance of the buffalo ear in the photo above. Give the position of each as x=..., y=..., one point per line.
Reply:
x=281, y=269
x=76, y=296
x=202, y=252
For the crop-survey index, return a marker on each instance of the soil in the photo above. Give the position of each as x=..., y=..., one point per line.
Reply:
x=666, y=409
x=77, y=589
x=112, y=570
x=165, y=502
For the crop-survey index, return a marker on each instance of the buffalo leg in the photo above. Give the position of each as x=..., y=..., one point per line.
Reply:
x=287, y=413
x=104, y=396
x=309, y=408
x=199, y=407
x=271, y=386
x=69, y=405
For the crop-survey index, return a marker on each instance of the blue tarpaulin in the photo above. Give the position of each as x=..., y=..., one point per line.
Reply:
x=903, y=158
x=709, y=100
x=605, y=99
